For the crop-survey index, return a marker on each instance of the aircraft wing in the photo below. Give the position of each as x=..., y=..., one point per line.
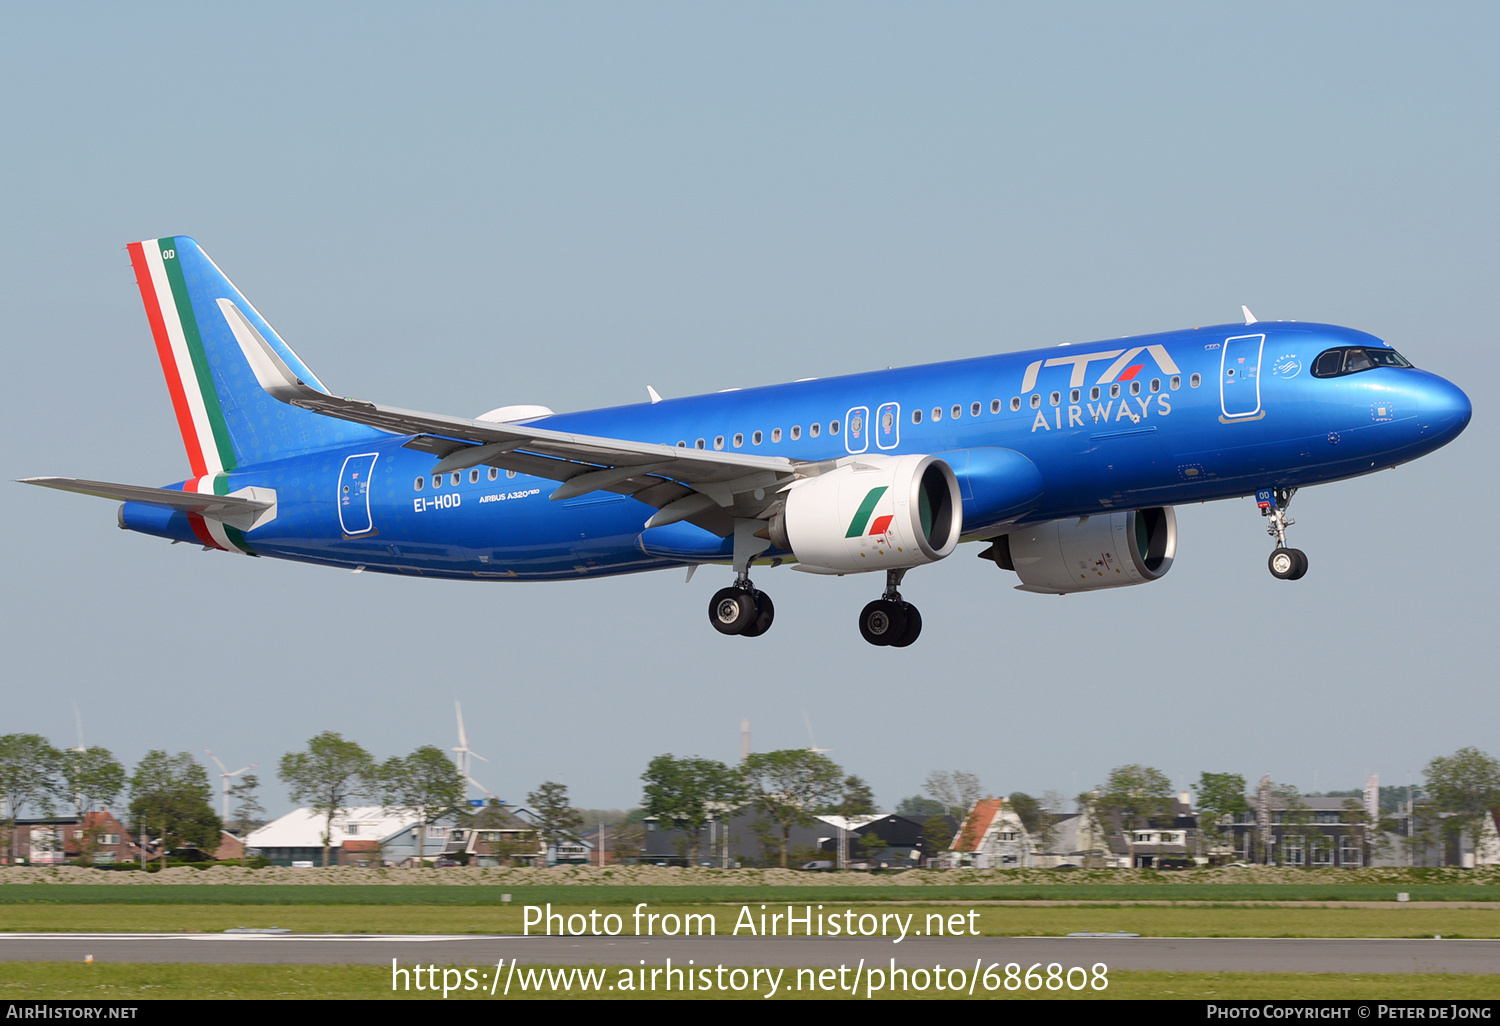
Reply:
x=705, y=487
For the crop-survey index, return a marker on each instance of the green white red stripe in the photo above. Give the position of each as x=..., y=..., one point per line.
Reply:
x=209, y=531
x=200, y=418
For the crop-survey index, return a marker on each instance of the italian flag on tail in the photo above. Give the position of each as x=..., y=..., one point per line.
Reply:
x=200, y=417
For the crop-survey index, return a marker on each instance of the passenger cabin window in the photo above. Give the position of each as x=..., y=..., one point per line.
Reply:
x=474, y=476
x=776, y=434
x=739, y=439
x=1196, y=380
x=755, y=438
x=420, y=482
x=510, y=473
x=494, y=473
x=457, y=476
x=833, y=426
x=437, y=480
x=957, y=411
x=1135, y=388
x=796, y=431
x=937, y=414
x=1332, y=363
x=1056, y=398
x=719, y=442
x=1156, y=384
x=1114, y=390
x=1176, y=382
x=1015, y=403
x=699, y=444
x=1036, y=400
x=973, y=409
x=1073, y=395
x=814, y=428
x=916, y=416
x=995, y=405
x=1094, y=393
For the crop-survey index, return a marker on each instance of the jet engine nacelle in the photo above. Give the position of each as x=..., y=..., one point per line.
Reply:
x=873, y=513
x=1105, y=550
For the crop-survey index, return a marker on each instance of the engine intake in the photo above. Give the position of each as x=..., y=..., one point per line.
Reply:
x=1106, y=550
x=874, y=513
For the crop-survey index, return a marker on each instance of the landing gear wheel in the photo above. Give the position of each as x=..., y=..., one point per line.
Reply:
x=913, y=628
x=732, y=610
x=765, y=613
x=1287, y=564
x=882, y=621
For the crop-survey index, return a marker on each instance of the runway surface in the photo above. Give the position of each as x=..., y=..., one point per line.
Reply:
x=1173, y=954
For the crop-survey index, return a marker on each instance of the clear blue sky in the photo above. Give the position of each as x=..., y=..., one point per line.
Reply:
x=455, y=207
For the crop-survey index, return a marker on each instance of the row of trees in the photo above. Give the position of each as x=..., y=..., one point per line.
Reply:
x=790, y=787
x=168, y=795
x=332, y=773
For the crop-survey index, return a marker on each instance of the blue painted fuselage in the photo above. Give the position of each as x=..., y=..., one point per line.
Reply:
x=1229, y=409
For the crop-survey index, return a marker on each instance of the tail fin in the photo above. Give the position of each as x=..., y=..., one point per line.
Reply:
x=227, y=420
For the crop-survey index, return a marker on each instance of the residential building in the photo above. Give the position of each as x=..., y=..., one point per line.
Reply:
x=993, y=836
x=746, y=836
x=1303, y=831
x=380, y=836
x=1428, y=839
x=55, y=840
x=495, y=836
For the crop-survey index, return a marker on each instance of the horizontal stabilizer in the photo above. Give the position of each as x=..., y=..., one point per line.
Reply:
x=242, y=511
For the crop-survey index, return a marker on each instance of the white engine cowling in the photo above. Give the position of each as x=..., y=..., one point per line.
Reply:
x=875, y=513
x=1106, y=550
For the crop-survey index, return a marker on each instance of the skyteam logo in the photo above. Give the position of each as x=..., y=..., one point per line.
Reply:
x=862, y=516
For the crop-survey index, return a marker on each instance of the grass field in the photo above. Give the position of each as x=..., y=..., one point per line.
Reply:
x=625, y=894
x=1027, y=921
x=32, y=981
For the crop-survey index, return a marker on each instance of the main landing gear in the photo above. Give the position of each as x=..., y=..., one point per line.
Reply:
x=1286, y=564
x=740, y=609
x=888, y=620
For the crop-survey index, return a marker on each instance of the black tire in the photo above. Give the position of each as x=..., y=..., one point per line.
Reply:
x=1283, y=564
x=765, y=613
x=1301, y=568
x=913, y=628
x=881, y=620
x=732, y=610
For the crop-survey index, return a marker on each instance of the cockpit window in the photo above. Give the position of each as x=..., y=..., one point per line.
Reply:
x=1351, y=359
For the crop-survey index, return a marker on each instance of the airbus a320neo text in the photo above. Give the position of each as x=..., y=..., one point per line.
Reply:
x=1064, y=463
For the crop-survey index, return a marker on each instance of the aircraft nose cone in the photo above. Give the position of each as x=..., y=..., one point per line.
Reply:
x=1445, y=409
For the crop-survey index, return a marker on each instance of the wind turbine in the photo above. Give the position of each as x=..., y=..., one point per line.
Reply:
x=78, y=722
x=813, y=742
x=465, y=753
x=225, y=775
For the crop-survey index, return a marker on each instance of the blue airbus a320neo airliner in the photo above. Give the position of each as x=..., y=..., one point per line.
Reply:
x=1065, y=462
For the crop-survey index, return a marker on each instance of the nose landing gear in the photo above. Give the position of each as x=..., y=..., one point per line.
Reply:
x=888, y=620
x=1285, y=564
